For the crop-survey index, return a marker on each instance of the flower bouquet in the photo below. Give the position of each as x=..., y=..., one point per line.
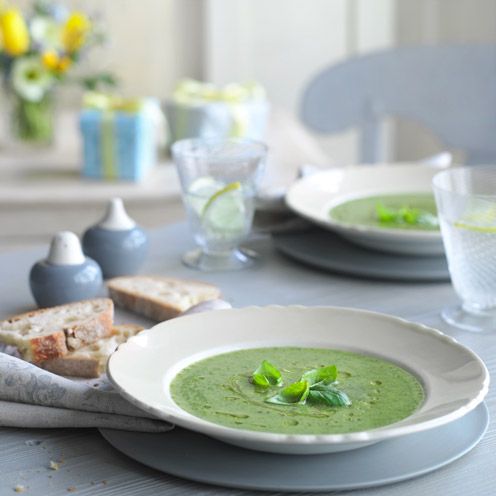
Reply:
x=37, y=52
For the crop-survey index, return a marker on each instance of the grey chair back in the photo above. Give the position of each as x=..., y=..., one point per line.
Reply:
x=449, y=89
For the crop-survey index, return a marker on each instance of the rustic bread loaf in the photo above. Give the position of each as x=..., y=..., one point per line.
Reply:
x=53, y=332
x=90, y=360
x=159, y=298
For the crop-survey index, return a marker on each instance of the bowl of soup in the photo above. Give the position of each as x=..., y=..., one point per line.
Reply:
x=387, y=207
x=299, y=380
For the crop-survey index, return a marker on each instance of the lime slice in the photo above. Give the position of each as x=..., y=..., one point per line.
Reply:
x=474, y=227
x=226, y=189
x=201, y=191
x=480, y=218
x=224, y=214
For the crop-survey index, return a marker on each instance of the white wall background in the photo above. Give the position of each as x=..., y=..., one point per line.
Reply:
x=283, y=43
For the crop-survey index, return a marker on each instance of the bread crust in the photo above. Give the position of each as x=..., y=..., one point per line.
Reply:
x=86, y=363
x=62, y=339
x=76, y=367
x=155, y=310
x=149, y=305
x=45, y=347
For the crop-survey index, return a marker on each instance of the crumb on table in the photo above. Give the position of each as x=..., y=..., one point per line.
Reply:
x=32, y=442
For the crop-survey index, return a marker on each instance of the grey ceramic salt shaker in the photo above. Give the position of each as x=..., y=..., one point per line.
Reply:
x=116, y=242
x=66, y=274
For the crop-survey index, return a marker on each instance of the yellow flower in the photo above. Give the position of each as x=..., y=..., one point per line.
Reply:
x=14, y=32
x=50, y=59
x=53, y=62
x=64, y=64
x=75, y=31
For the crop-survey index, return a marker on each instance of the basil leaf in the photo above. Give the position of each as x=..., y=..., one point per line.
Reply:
x=385, y=214
x=260, y=380
x=327, y=375
x=294, y=394
x=266, y=375
x=428, y=219
x=405, y=215
x=409, y=215
x=329, y=395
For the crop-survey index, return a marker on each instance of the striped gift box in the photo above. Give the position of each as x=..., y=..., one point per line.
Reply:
x=119, y=137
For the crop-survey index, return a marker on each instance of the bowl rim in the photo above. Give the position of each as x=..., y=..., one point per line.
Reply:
x=190, y=421
x=346, y=227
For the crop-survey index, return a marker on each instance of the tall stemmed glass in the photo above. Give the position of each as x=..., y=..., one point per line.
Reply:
x=466, y=204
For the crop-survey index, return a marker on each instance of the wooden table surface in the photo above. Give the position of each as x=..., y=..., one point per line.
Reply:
x=92, y=467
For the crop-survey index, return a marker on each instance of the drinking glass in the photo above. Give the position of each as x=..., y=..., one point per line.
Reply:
x=219, y=180
x=466, y=204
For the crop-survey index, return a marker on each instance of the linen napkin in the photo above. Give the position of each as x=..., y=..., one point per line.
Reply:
x=35, y=398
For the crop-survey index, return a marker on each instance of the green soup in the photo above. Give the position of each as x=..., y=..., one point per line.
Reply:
x=218, y=389
x=420, y=207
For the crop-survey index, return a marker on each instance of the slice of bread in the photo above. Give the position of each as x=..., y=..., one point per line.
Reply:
x=90, y=360
x=53, y=332
x=159, y=298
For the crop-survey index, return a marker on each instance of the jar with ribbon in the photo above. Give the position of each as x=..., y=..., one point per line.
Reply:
x=203, y=110
x=119, y=136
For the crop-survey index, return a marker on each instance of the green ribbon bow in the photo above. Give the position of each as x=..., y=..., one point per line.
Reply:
x=109, y=105
x=105, y=102
x=191, y=92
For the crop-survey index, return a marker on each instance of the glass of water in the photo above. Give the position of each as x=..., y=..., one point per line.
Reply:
x=219, y=181
x=466, y=204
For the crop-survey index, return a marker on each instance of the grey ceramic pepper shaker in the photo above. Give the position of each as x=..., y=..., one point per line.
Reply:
x=116, y=242
x=66, y=274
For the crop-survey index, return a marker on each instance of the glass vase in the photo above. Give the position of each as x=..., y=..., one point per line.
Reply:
x=30, y=123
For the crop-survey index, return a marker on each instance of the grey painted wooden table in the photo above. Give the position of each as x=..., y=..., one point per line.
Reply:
x=91, y=466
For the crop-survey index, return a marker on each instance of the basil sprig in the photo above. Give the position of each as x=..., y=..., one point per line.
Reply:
x=326, y=375
x=266, y=375
x=316, y=386
x=405, y=216
x=294, y=394
x=328, y=394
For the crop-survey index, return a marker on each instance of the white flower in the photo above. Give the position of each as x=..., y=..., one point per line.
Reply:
x=30, y=79
x=46, y=32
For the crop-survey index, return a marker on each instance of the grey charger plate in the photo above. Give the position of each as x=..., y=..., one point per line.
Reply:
x=199, y=458
x=327, y=250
